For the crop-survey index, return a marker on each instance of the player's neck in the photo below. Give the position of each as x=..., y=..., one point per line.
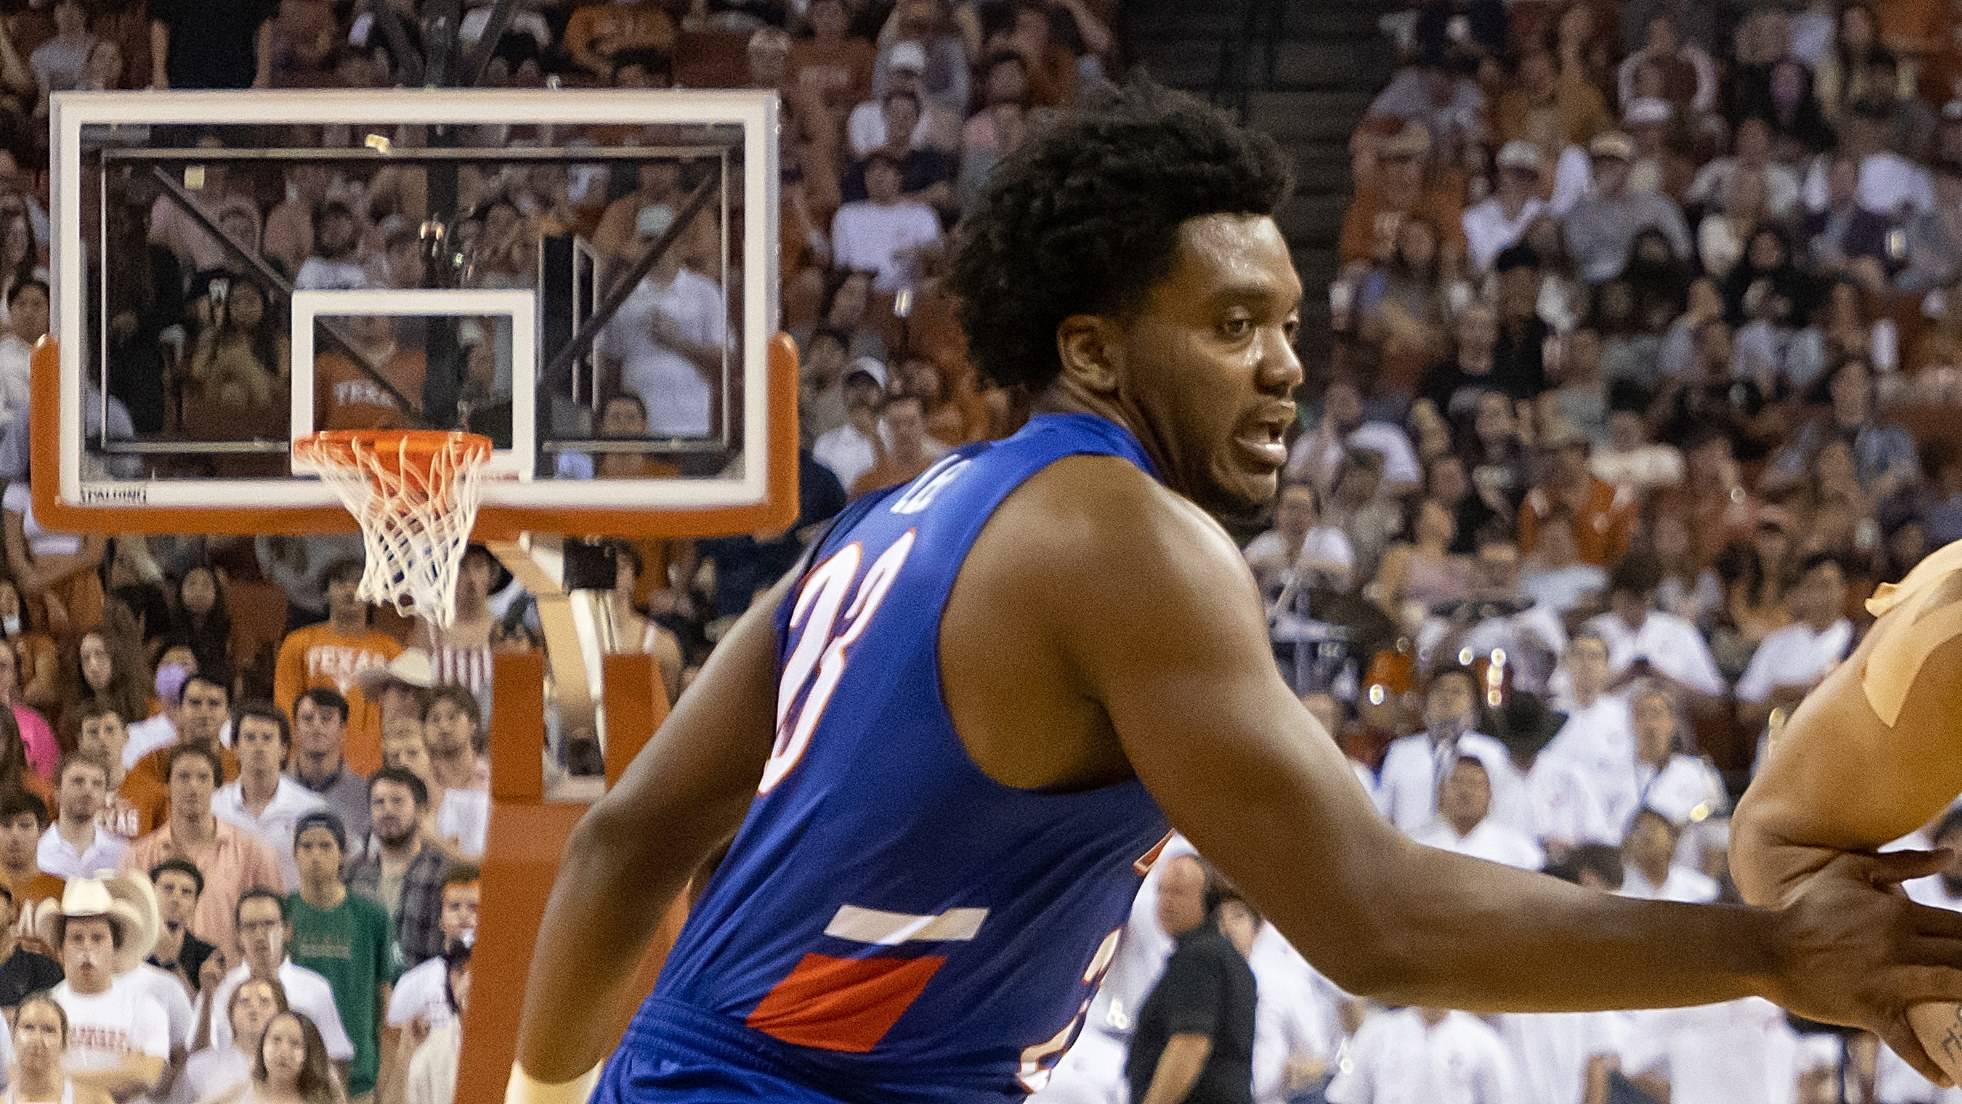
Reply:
x=1067, y=396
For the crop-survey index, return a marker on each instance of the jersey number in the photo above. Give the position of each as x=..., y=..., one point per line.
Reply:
x=829, y=618
x=1039, y=1061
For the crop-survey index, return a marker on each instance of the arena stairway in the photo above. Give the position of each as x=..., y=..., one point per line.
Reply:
x=1301, y=70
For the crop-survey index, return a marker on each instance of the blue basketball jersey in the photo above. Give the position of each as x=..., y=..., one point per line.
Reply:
x=890, y=923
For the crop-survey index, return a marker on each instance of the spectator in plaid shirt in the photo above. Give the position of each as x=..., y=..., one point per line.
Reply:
x=403, y=869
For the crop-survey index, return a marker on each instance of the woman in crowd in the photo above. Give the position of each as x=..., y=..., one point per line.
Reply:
x=108, y=665
x=290, y=1067
x=40, y=1042
x=216, y=1071
x=241, y=357
x=199, y=619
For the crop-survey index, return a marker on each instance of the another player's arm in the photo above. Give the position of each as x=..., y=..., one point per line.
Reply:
x=1840, y=779
x=1164, y=631
x=683, y=796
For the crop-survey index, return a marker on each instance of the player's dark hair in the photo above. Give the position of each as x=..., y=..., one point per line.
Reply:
x=1083, y=218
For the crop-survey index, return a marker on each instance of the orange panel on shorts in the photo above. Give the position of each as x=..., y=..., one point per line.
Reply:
x=843, y=1004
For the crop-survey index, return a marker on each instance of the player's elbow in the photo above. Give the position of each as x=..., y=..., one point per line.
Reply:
x=1765, y=862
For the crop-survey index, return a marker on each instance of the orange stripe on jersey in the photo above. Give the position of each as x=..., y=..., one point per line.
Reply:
x=842, y=1004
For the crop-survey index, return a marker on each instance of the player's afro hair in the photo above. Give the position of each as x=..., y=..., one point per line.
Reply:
x=1083, y=217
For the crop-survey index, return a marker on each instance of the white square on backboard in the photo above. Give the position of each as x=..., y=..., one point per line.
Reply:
x=520, y=307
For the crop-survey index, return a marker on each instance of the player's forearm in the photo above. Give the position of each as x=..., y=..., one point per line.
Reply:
x=1461, y=933
x=1179, y=1067
x=612, y=892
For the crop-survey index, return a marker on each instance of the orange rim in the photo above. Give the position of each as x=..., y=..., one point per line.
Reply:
x=379, y=453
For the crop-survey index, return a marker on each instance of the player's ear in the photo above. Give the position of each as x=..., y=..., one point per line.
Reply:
x=1090, y=352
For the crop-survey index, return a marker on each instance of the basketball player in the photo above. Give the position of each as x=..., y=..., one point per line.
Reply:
x=940, y=754
x=1868, y=757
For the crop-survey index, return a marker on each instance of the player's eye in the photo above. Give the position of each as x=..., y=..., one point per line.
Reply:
x=1237, y=327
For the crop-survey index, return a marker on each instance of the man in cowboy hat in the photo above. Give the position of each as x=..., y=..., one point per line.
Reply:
x=118, y=1035
x=395, y=691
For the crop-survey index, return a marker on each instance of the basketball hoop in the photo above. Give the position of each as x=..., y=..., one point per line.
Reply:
x=414, y=493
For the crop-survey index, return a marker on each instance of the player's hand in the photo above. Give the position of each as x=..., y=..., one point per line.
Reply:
x=1853, y=950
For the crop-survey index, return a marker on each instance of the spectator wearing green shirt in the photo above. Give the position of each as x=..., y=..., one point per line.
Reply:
x=344, y=938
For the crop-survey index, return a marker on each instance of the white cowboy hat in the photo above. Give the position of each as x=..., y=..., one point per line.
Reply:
x=127, y=900
x=411, y=668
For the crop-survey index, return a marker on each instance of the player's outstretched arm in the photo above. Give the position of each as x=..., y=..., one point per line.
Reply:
x=1842, y=779
x=1159, y=619
x=680, y=799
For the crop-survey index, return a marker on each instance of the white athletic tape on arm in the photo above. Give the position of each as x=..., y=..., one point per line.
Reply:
x=1897, y=656
x=525, y=1089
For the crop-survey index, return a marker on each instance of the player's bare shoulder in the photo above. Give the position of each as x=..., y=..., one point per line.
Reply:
x=1097, y=522
x=1917, y=638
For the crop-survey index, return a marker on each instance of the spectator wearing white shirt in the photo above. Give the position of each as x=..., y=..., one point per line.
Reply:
x=1500, y=221
x=336, y=262
x=1462, y=825
x=1415, y=765
x=1425, y=1056
x=1297, y=1031
x=1566, y=809
x=669, y=336
x=1317, y=456
x=75, y=846
x=850, y=450
x=1683, y=787
x=1649, y=867
x=884, y=233
x=264, y=800
x=120, y=1035
x=1300, y=545
x=1737, y=1052
x=214, y=1071
x=418, y=1003
x=902, y=68
x=1597, y=735
x=1646, y=642
x=1565, y=1058
x=262, y=936
x=1752, y=147
x=27, y=322
x=1496, y=621
x=1792, y=660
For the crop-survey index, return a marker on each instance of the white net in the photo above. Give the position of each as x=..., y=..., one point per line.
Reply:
x=415, y=496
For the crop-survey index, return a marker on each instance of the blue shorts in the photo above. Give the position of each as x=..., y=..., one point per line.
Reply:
x=675, y=1054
